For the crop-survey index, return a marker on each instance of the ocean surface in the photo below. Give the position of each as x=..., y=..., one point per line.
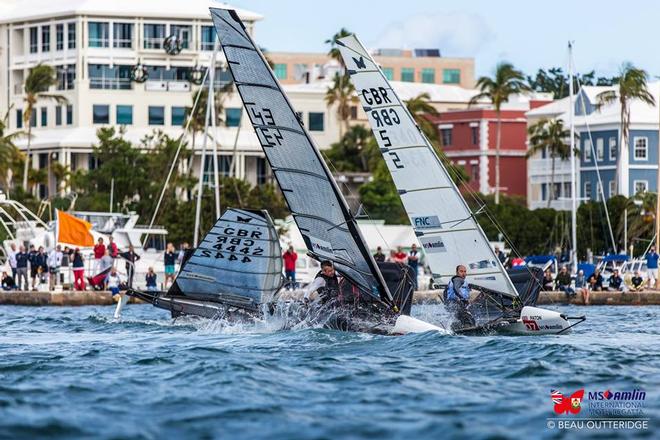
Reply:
x=74, y=372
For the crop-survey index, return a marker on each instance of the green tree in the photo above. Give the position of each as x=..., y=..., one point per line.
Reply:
x=36, y=86
x=506, y=82
x=556, y=82
x=420, y=108
x=334, y=51
x=11, y=157
x=550, y=135
x=341, y=94
x=632, y=84
x=380, y=198
x=357, y=151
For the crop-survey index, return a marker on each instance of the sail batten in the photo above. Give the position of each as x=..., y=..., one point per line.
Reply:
x=311, y=194
x=427, y=191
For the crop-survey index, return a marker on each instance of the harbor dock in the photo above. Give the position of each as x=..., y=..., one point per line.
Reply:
x=103, y=298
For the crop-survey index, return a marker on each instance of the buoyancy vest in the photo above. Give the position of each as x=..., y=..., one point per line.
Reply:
x=450, y=293
x=331, y=287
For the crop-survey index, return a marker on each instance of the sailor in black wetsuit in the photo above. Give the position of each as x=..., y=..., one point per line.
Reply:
x=326, y=283
x=456, y=296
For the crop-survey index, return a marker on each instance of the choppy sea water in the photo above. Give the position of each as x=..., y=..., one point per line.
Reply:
x=76, y=373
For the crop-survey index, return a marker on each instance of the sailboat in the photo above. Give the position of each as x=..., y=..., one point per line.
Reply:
x=444, y=224
x=367, y=301
x=233, y=272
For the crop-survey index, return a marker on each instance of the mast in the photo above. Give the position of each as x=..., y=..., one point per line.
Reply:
x=573, y=170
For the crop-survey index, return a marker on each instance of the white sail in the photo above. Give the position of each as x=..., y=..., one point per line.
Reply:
x=443, y=222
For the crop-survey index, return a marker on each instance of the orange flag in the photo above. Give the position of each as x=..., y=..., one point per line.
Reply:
x=72, y=230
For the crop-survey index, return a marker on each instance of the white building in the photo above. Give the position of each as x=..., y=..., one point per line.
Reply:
x=95, y=46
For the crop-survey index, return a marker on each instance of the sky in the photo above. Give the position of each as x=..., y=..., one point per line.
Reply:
x=530, y=34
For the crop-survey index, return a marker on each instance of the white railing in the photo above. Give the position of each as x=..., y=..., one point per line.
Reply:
x=153, y=43
x=544, y=166
x=561, y=205
x=178, y=86
x=165, y=86
x=110, y=83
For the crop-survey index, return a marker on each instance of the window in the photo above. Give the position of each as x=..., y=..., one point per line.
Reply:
x=600, y=149
x=58, y=115
x=641, y=186
x=474, y=131
x=612, y=148
x=587, y=150
x=612, y=188
x=71, y=35
x=474, y=172
x=232, y=117
x=224, y=166
x=156, y=115
x=19, y=118
x=154, y=34
x=101, y=114
x=124, y=114
x=59, y=37
x=184, y=32
x=389, y=73
x=34, y=40
x=208, y=37
x=451, y=76
x=262, y=171
x=33, y=118
x=99, y=34
x=66, y=76
x=408, y=74
x=641, y=148
x=428, y=75
x=599, y=191
x=280, y=71
x=178, y=116
x=122, y=35
x=102, y=76
x=69, y=115
x=43, y=111
x=445, y=137
x=45, y=38
x=315, y=121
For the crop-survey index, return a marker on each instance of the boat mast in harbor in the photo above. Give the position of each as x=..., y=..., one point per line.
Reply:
x=573, y=170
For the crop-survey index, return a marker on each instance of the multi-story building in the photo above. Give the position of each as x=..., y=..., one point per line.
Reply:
x=418, y=65
x=469, y=139
x=113, y=70
x=628, y=171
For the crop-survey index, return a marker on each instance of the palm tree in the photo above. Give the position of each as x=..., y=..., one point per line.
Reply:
x=631, y=85
x=10, y=155
x=419, y=107
x=334, y=51
x=550, y=135
x=37, y=83
x=341, y=93
x=507, y=81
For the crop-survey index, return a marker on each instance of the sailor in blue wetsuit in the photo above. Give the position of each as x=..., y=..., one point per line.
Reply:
x=456, y=296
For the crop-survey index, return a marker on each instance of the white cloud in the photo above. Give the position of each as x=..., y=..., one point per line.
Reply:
x=454, y=33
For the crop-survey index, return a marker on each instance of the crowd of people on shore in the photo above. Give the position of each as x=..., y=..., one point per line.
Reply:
x=36, y=269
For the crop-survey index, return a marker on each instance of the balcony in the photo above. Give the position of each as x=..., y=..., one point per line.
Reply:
x=167, y=86
x=559, y=205
x=542, y=168
x=110, y=83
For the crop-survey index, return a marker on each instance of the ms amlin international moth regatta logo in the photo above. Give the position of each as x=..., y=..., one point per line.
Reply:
x=594, y=410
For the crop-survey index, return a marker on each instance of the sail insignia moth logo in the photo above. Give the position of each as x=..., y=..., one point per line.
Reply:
x=359, y=63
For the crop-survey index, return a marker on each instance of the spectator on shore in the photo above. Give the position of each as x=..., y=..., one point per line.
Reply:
x=581, y=286
x=399, y=256
x=563, y=283
x=22, y=260
x=99, y=252
x=652, y=267
x=150, y=278
x=32, y=255
x=78, y=270
x=517, y=262
x=379, y=256
x=113, y=281
x=66, y=260
x=500, y=255
x=169, y=260
x=548, y=282
x=112, y=247
x=54, y=264
x=182, y=252
x=39, y=267
x=8, y=282
x=290, y=257
x=637, y=282
x=595, y=281
x=106, y=261
x=616, y=283
x=413, y=262
x=131, y=258
x=11, y=257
